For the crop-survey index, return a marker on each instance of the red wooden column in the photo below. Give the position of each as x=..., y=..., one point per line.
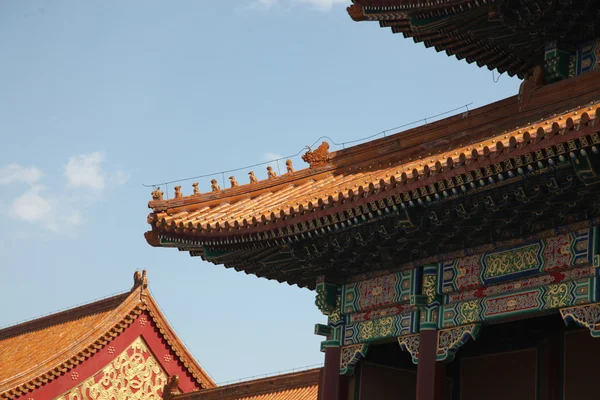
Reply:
x=331, y=374
x=430, y=373
x=555, y=374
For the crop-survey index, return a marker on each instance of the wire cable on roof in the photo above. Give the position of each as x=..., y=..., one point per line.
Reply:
x=267, y=375
x=333, y=142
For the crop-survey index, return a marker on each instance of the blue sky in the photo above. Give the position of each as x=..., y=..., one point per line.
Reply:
x=97, y=98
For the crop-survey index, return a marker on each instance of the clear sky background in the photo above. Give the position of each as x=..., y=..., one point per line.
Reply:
x=98, y=97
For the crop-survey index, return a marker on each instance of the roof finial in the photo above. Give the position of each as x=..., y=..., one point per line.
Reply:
x=214, y=186
x=319, y=157
x=252, y=177
x=157, y=194
x=140, y=279
x=233, y=181
x=178, y=194
x=289, y=166
x=195, y=186
x=270, y=173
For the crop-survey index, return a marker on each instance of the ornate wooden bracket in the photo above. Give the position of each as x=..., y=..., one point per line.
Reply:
x=410, y=343
x=350, y=356
x=450, y=340
x=587, y=316
x=326, y=300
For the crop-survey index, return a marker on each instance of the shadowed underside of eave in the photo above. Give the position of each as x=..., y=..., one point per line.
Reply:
x=381, y=239
x=506, y=35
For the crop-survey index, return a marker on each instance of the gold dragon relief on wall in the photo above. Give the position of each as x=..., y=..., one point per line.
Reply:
x=134, y=374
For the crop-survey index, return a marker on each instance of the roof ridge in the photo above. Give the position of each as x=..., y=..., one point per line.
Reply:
x=406, y=148
x=275, y=383
x=121, y=310
x=67, y=357
x=268, y=375
x=64, y=315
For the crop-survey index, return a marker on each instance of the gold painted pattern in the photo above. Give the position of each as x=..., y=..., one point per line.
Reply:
x=429, y=282
x=410, y=343
x=378, y=328
x=557, y=296
x=469, y=312
x=134, y=374
x=508, y=262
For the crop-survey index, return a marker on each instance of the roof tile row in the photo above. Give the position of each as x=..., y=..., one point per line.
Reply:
x=333, y=187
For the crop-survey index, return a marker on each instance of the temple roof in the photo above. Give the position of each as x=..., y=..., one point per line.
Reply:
x=505, y=35
x=35, y=352
x=258, y=227
x=295, y=386
x=478, y=136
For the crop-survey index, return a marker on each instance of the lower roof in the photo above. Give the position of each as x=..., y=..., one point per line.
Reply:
x=38, y=342
x=37, y=351
x=294, y=386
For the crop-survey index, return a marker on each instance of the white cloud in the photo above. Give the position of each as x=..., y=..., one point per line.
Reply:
x=272, y=156
x=321, y=5
x=75, y=218
x=17, y=173
x=121, y=177
x=324, y=5
x=85, y=170
x=31, y=206
x=48, y=208
x=268, y=3
x=37, y=205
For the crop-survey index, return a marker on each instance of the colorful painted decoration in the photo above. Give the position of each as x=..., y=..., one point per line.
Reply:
x=546, y=255
x=134, y=374
x=350, y=356
x=410, y=343
x=587, y=316
x=457, y=297
x=587, y=58
x=377, y=292
x=511, y=304
x=382, y=328
x=450, y=340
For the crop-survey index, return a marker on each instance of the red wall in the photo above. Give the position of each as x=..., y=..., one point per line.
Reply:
x=581, y=355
